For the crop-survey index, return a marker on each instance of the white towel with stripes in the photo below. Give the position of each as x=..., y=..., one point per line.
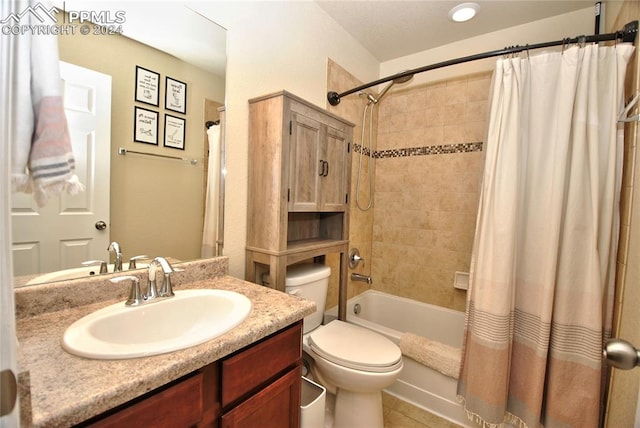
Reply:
x=42, y=161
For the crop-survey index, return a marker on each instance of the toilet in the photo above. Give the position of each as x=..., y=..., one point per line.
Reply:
x=348, y=360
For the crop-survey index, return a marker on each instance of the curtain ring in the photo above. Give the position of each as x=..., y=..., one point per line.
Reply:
x=582, y=40
x=527, y=49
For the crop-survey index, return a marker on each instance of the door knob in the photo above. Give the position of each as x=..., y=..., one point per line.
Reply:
x=101, y=225
x=621, y=354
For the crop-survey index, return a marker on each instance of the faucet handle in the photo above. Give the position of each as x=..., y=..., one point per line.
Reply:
x=102, y=263
x=354, y=258
x=166, y=290
x=135, y=297
x=132, y=261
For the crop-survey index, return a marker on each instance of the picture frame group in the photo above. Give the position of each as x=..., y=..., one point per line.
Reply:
x=146, y=123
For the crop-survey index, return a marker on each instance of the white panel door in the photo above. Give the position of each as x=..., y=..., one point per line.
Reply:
x=63, y=234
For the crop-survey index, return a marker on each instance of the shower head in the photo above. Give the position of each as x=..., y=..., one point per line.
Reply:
x=402, y=79
x=369, y=97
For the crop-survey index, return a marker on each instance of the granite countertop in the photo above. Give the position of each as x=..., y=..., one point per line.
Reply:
x=66, y=389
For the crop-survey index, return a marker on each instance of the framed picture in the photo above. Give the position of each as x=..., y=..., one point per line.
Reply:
x=145, y=126
x=147, y=86
x=174, y=131
x=175, y=95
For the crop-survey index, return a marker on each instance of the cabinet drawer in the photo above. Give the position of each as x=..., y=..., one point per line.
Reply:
x=276, y=406
x=178, y=405
x=250, y=369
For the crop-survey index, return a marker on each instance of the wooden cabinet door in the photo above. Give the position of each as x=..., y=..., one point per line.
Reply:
x=333, y=184
x=305, y=166
x=180, y=405
x=318, y=157
x=276, y=406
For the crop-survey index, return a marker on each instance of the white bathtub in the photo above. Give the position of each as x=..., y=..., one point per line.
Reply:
x=391, y=316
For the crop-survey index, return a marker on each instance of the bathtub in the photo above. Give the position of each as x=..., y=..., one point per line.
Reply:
x=417, y=384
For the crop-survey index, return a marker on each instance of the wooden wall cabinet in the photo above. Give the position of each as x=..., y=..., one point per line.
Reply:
x=257, y=386
x=299, y=181
x=318, y=155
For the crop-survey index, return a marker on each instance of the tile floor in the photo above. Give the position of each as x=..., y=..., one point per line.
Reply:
x=397, y=414
x=400, y=414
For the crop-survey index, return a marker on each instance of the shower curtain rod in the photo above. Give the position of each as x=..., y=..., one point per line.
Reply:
x=627, y=34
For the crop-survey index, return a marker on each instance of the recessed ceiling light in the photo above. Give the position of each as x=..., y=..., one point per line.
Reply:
x=464, y=12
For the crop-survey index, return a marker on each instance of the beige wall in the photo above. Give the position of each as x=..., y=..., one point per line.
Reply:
x=156, y=204
x=623, y=396
x=274, y=46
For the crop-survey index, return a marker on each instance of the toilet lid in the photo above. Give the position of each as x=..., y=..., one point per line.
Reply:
x=355, y=347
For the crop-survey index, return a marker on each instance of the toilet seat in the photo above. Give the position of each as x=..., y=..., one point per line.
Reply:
x=355, y=347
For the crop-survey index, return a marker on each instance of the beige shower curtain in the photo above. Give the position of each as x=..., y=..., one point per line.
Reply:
x=542, y=271
x=210, y=229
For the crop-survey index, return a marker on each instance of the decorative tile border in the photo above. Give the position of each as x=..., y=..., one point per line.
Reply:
x=422, y=151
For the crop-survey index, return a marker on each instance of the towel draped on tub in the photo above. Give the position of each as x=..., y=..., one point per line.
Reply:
x=436, y=355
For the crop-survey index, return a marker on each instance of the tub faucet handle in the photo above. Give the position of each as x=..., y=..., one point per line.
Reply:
x=354, y=258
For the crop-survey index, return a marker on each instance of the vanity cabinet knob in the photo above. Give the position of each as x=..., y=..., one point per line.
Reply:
x=101, y=225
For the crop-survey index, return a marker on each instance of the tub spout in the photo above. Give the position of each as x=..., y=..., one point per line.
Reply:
x=362, y=278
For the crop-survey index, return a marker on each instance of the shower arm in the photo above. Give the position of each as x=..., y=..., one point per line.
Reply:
x=627, y=35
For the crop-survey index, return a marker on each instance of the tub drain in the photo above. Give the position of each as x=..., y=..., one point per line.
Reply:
x=356, y=308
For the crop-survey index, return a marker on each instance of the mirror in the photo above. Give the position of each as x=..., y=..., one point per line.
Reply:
x=156, y=203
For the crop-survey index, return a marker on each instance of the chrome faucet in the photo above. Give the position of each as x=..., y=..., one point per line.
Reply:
x=102, y=263
x=165, y=290
x=134, y=259
x=115, y=247
x=135, y=297
x=362, y=278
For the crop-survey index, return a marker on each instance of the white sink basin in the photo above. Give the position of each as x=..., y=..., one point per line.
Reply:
x=189, y=318
x=80, y=272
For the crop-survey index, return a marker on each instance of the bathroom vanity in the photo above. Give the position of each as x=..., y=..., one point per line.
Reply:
x=256, y=386
x=249, y=374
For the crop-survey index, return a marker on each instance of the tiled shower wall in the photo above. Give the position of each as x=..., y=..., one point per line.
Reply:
x=360, y=222
x=428, y=172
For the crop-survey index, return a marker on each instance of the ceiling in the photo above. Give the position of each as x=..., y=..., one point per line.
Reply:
x=391, y=29
x=388, y=29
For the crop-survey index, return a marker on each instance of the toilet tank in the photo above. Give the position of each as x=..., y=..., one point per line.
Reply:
x=310, y=281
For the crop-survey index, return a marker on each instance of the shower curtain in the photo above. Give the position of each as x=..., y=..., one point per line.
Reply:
x=542, y=271
x=210, y=229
